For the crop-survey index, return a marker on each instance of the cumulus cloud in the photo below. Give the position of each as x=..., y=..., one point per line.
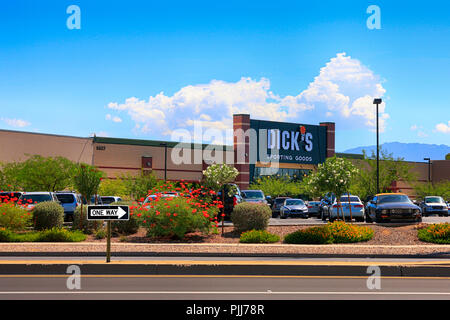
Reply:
x=442, y=127
x=113, y=118
x=16, y=123
x=343, y=92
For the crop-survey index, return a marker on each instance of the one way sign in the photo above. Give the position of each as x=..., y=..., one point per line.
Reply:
x=108, y=213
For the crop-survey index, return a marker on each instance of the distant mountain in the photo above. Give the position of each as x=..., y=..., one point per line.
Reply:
x=409, y=151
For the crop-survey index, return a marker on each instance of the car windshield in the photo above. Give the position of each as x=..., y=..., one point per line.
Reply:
x=434, y=200
x=108, y=200
x=279, y=201
x=314, y=203
x=36, y=198
x=294, y=202
x=66, y=198
x=253, y=194
x=394, y=198
x=352, y=199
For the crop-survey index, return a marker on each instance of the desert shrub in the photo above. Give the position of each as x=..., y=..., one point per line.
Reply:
x=336, y=232
x=100, y=234
x=80, y=221
x=14, y=217
x=129, y=226
x=313, y=235
x=258, y=236
x=174, y=217
x=248, y=216
x=347, y=233
x=47, y=215
x=436, y=233
x=60, y=235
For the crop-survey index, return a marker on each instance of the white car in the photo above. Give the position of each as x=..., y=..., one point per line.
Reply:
x=434, y=205
x=30, y=199
x=356, y=206
x=110, y=199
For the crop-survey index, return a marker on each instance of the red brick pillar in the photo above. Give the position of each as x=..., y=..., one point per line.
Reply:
x=330, y=137
x=241, y=123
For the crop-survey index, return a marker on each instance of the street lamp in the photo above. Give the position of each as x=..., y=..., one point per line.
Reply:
x=429, y=168
x=378, y=101
x=163, y=144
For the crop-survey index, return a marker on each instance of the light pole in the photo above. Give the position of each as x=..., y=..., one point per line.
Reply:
x=165, y=159
x=378, y=101
x=429, y=168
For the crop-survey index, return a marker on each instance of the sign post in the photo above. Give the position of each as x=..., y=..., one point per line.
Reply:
x=108, y=213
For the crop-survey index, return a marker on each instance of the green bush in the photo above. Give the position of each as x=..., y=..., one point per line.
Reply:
x=248, y=216
x=126, y=227
x=49, y=235
x=336, y=232
x=313, y=235
x=47, y=215
x=14, y=217
x=174, y=217
x=435, y=233
x=258, y=236
x=100, y=234
x=81, y=223
x=60, y=235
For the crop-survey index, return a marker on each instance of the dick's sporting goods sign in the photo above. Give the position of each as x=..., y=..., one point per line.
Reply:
x=289, y=142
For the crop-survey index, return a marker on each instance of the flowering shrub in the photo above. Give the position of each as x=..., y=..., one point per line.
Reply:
x=176, y=216
x=336, y=232
x=347, y=233
x=14, y=217
x=248, y=216
x=129, y=226
x=258, y=236
x=436, y=233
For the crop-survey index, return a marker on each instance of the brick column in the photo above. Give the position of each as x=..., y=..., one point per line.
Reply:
x=330, y=137
x=241, y=161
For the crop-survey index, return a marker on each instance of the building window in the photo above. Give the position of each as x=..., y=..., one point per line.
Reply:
x=147, y=162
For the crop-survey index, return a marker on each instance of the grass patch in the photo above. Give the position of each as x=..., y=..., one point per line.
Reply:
x=50, y=235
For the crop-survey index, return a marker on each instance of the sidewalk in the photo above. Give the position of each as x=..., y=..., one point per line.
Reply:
x=209, y=249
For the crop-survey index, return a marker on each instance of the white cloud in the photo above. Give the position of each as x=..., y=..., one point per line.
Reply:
x=414, y=127
x=442, y=127
x=342, y=92
x=16, y=123
x=113, y=118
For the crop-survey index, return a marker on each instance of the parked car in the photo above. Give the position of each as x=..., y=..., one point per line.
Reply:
x=313, y=208
x=294, y=208
x=8, y=196
x=255, y=196
x=325, y=204
x=434, y=205
x=110, y=199
x=32, y=198
x=152, y=197
x=348, y=203
x=69, y=201
x=277, y=204
x=392, y=207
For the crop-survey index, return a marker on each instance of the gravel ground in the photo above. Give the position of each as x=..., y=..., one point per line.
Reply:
x=391, y=240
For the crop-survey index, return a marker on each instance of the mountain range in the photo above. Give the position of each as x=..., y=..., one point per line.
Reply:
x=408, y=151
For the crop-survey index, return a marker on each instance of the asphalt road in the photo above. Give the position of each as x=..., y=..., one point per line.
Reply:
x=187, y=287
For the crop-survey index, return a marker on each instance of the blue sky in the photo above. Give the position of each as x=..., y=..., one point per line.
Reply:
x=145, y=69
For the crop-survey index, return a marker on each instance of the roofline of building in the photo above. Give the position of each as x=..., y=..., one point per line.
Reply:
x=45, y=134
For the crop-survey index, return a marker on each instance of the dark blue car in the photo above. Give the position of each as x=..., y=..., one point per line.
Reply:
x=392, y=207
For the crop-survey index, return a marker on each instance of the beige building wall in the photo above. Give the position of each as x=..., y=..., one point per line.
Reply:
x=17, y=145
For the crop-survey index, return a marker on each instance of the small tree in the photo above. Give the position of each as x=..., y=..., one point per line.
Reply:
x=216, y=176
x=277, y=186
x=441, y=189
x=87, y=180
x=113, y=187
x=335, y=175
x=138, y=186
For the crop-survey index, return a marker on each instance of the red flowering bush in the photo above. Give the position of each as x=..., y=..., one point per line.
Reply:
x=14, y=217
x=174, y=216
